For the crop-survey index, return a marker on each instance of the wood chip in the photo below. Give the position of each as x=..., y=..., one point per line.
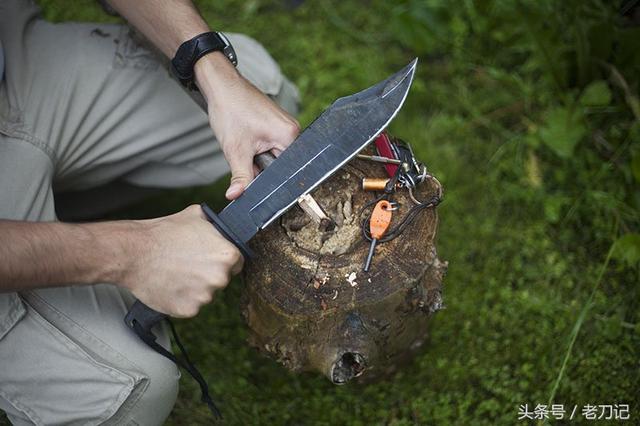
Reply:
x=351, y=279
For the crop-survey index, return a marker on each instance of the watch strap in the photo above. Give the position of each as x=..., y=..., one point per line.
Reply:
x=191, y=50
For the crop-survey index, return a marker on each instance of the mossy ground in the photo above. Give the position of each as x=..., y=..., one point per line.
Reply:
x=540, y=182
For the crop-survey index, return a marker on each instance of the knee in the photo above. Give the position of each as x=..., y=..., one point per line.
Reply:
x=153, y=398
x=257, y=66
x=163, y=377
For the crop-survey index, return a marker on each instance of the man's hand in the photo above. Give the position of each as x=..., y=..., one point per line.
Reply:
x=181, y=261
x=245, y=121
x=173, y=264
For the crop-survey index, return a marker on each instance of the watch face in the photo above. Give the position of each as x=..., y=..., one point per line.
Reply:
x=228, y=50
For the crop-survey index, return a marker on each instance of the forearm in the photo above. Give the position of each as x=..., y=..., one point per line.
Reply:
x=36, y=255
x=166, y=23
x=169, y=23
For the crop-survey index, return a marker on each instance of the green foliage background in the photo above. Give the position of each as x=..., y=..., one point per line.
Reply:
x=528, y=112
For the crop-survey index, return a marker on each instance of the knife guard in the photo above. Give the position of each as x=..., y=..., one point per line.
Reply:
x=227, y=232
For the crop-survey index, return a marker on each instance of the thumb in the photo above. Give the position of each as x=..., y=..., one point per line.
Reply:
x=241, y=175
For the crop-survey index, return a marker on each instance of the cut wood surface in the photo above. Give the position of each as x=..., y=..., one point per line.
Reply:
x=308, y=302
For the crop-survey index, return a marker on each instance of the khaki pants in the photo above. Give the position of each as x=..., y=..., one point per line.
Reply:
x=81, y=106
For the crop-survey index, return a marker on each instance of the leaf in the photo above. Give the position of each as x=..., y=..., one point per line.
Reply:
x=596, y=94
x=553, y=206
x=562, y=130
x=552, y=210
x=626, y=249
x=532, y=169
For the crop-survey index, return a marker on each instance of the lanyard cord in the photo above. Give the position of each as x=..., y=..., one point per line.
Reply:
x=150, y=339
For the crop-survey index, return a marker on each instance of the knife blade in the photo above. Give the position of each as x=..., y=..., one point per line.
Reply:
x=306, y=202
x=329, y=142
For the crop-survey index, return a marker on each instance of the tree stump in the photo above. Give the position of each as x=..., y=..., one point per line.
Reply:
x=308, y=303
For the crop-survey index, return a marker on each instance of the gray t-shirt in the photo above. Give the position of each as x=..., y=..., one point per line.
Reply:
x=1, y=62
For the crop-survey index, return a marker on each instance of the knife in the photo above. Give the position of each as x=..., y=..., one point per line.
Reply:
x=328, y=143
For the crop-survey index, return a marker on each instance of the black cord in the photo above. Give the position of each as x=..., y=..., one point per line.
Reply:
x=150, y=339
x=195, y=373
x=397, y=230
x=410, y=178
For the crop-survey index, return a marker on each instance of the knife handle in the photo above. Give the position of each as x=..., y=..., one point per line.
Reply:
x=264, y=160
x=144, y=316
x=141, y=319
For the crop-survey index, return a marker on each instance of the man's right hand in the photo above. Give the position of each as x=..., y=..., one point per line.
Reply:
x=180, y=261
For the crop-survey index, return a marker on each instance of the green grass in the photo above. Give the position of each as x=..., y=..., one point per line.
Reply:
x=540, y=167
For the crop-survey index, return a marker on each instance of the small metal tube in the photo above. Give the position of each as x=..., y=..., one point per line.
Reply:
x=374, y=184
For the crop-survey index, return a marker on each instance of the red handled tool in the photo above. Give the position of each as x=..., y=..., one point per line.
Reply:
x=385, y=149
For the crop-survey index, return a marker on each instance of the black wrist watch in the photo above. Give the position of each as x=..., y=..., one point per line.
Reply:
x=191, y=50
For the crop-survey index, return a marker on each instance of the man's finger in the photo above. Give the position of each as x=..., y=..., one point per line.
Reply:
x=287, y=134
x=237, y=267
x=241, y=174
